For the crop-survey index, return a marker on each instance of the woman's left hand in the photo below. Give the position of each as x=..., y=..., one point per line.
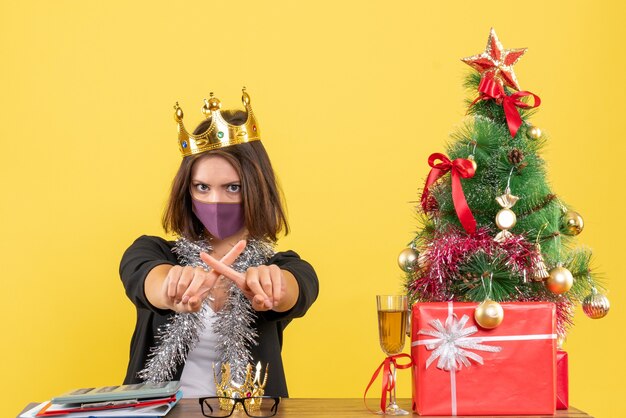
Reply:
x=267, y=287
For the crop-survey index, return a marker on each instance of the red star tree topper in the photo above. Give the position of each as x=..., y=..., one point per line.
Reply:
x=496, y=61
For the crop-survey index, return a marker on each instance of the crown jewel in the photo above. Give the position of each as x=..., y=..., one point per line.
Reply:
x=220, y=133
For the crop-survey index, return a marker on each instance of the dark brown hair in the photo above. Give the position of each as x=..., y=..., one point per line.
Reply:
x=261, y=196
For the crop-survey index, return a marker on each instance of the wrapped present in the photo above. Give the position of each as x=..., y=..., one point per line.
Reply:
x=562, y=380
x=462, y=369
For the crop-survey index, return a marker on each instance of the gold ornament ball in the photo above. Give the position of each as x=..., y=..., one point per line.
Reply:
x=560, y=280
x=596, y=306
x=489, y=314
x=473, y=161
x=534, y=132
x=407, y=259
x=506, y=219
x=423, y=261
x=572, y=223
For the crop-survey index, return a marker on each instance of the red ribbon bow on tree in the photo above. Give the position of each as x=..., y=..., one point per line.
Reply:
x=490, y=88
x=458, y=168
x=388, y=380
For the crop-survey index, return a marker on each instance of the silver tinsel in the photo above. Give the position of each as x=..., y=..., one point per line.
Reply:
x=233, y=324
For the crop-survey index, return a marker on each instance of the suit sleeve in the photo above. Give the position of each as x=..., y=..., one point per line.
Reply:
x=142, y=256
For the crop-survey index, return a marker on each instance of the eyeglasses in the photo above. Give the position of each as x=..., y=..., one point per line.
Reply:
x=255, y=406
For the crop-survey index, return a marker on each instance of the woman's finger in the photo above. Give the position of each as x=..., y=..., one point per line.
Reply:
x=226, y=271
x=230, y=256
x=192, y=306
x=265, y=280
x=258, y=303
x=253, y=282
x=228, y=259
x=202, y=282
x=234, y=252
x=184, y=281
x=195, y=303
x=278, y=283
x=172, y=281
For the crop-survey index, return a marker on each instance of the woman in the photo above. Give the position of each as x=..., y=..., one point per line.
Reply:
x=195, y=310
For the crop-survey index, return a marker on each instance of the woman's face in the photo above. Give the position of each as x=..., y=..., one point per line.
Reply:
x=215, y=180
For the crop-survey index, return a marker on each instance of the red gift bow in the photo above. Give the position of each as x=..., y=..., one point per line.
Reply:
x=490, y=88
x=458, y=168
x=388, y=381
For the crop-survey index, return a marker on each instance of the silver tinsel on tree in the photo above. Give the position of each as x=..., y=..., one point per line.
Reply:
x=233, y=324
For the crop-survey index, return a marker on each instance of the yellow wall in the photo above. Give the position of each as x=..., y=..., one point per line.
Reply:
x=352, y=96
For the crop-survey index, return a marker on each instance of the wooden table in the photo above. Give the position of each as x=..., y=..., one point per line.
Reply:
x=331, y=407
x=327, y=408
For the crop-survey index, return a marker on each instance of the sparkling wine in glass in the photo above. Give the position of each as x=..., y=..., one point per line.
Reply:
x=392, y=324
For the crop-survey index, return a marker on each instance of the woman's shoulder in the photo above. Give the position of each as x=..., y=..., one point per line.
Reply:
x=151, y=244
x=155, y=240
x=144, y=254
x=284, y=256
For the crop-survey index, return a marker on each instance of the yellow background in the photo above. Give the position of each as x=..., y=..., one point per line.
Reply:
x=352, y=98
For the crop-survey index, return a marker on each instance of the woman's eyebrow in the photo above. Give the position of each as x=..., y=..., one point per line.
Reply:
x=226, y=183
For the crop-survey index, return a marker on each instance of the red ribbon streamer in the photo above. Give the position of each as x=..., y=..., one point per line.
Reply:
x=458, y=168
x=388, y=381
x=490, y=88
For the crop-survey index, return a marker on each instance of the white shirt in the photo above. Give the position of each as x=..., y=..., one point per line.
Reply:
x=197, y=379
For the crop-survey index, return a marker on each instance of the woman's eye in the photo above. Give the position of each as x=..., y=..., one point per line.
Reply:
x=202, y=187
x=233, y=188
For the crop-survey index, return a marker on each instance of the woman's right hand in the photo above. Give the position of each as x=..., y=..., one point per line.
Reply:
x=184, y=289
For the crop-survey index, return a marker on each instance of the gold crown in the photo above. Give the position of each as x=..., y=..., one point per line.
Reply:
x=220, y=133
x=252, y=386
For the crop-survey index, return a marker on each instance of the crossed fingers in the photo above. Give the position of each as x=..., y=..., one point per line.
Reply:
x=262, y=285
x=188, y=286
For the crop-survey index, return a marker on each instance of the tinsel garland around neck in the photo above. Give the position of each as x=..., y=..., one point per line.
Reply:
x=233, y=324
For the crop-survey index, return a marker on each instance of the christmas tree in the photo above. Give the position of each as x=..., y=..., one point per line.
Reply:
x=491, y=228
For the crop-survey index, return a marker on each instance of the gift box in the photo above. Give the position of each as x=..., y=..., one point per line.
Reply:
x=562, y=380
x=460, y=368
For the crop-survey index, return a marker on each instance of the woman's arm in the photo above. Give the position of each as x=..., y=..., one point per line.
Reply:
x=153, y=281
x=145, y=254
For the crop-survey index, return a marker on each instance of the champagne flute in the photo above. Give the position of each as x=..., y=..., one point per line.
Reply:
x=392, y=324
